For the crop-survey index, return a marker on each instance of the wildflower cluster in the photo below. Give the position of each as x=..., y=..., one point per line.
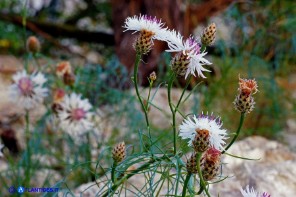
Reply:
x=203, y=132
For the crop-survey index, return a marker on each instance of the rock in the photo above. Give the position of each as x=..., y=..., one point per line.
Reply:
x=274, y=173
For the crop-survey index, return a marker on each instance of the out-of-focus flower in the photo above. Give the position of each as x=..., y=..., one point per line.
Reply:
x=33, y=44
x=250, y=192
x=75, y=116
x=1, y=147
x=210, y=164
x=119, y=152
x=209, y=34
x=201, y=126
x=62, y=68
x=58, y=97
x=244, y=101
x=189, y=59
x=150, y=28
x=27, y=90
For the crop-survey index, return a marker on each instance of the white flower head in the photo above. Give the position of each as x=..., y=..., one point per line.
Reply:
x=189, y=127
x=1, y=147
x=250, y=192
x=75, y=117
x=147, y=23
x=191, y=48
x=27, y=90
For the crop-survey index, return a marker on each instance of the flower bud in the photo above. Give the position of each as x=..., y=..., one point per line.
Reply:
x=201, y=141
x=69, y=79
x=58, y=97
x=62, y=68
x=210, y=164
x=209, y=35
x=144, y=43
x=152, y=76
x=180, y=64
x=119, y=152
x=191, y=164
x=244, y=101
x=33, y=44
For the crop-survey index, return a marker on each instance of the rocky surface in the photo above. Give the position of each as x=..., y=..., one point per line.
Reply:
x=274, y=173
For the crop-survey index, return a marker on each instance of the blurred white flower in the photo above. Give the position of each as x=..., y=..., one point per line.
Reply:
x=190, y=127
x=190, y=48
x=250, y=192
x=27, y=90
x=75, y=116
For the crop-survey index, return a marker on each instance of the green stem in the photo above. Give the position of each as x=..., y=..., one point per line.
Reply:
x=171, y=81
x=136, y=67
x=198, y=156
x=113, y=178
x=28, y=152
x=186, y=184
x=149, y=92
x=242, y=117
x=183, y=92
x=132, y=173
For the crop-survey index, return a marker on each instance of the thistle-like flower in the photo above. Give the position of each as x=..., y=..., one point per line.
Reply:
x=244, y=101
x=209, y=34
x=201, y=126
x=150, y=28
x=189, y=59
x=210, y=164
x=27, y=90
x=75, y=116
x=119, y=152
x=250, y=192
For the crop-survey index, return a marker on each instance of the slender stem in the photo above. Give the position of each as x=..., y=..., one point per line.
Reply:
x=186, y=184
x=28, y=156
x=134, y=172
x=171, y=81
x=198, y=156
x=113, y=178
x=183, y=92
x=136, y=67
x=242, y=117
x=149, y=92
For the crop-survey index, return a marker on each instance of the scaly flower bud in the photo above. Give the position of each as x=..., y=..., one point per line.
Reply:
x=119, y=152
x=33, y=44
x=244, y=101
x=209, y=35
x=191, y=164
x=210, y=164
x=201, y=141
